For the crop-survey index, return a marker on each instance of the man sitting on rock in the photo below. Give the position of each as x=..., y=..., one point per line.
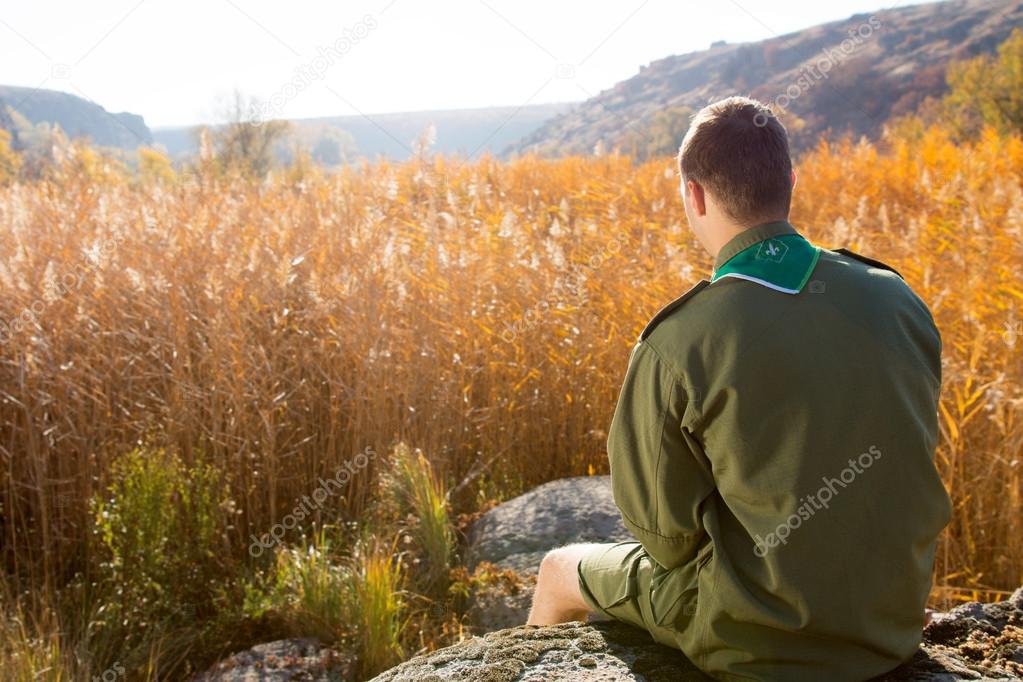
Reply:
x=772, y=448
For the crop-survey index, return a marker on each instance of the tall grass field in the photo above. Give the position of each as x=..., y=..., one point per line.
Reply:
x=235, y=411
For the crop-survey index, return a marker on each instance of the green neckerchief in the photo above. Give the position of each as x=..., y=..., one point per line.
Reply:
x=773, y=255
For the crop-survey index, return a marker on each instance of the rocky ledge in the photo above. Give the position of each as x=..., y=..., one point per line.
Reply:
x=972, y=642
x=576, y=651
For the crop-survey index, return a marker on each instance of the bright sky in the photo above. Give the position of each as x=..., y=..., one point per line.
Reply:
x=176, y=63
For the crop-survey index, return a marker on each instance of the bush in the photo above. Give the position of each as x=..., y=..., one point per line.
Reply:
x=162, y=556
x=987, y=91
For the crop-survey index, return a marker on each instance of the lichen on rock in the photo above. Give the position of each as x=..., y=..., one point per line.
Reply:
x=576, y=651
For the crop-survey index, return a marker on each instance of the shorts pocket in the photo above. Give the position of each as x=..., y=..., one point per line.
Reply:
x=611, y=578
x=627, y=588
x=673, y=592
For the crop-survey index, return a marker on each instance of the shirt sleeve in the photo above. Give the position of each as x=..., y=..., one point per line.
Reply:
x=658, y=480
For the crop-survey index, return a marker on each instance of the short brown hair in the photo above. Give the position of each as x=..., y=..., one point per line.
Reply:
x=739, y=152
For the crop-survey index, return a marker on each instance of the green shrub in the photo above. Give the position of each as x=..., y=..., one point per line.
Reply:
x=162, y=569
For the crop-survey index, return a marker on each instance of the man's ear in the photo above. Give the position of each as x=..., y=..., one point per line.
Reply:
x=793, y=179
x=697, y=198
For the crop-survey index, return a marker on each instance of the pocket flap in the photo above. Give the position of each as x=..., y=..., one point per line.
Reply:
x=629, y=587
x=673, y=593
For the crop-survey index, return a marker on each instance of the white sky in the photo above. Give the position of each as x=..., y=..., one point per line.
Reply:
x=177, y=62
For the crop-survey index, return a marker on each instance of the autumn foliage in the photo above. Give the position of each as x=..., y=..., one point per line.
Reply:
x=483, y=311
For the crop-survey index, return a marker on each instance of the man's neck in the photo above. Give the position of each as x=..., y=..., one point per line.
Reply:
x=724, y=232
x=721, y=235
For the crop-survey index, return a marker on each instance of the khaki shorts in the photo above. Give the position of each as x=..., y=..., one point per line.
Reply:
x=624, y=583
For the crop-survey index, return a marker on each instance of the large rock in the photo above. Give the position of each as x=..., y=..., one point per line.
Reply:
x=575, y=651
x=286, y=660
x=519, y=532
x=516, y=535
x=973, y=642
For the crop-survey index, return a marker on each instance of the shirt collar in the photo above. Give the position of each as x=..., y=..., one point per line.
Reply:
x=751, y=236
x=773, y=255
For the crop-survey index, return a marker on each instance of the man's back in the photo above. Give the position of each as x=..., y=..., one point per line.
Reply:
x=772, y=447
x=815, y=414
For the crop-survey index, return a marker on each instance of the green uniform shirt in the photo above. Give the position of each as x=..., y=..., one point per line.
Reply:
x=772, y=450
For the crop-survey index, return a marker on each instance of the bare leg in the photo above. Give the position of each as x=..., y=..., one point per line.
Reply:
x=557, y=598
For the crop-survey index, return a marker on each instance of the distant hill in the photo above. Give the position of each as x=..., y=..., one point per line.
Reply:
x=78, y=117
x=896, y=58
x=463, y=131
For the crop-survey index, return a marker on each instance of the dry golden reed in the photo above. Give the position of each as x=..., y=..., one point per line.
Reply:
x=481, y=311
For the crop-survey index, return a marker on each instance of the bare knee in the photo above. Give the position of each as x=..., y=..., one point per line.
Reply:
x=562, y=564
x=558, y=598
x=558, y=562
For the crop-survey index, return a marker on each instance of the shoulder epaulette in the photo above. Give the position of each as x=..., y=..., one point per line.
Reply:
x=672, y=307
x=868, y=261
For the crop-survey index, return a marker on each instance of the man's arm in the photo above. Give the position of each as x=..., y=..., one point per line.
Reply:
x=658, y=481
